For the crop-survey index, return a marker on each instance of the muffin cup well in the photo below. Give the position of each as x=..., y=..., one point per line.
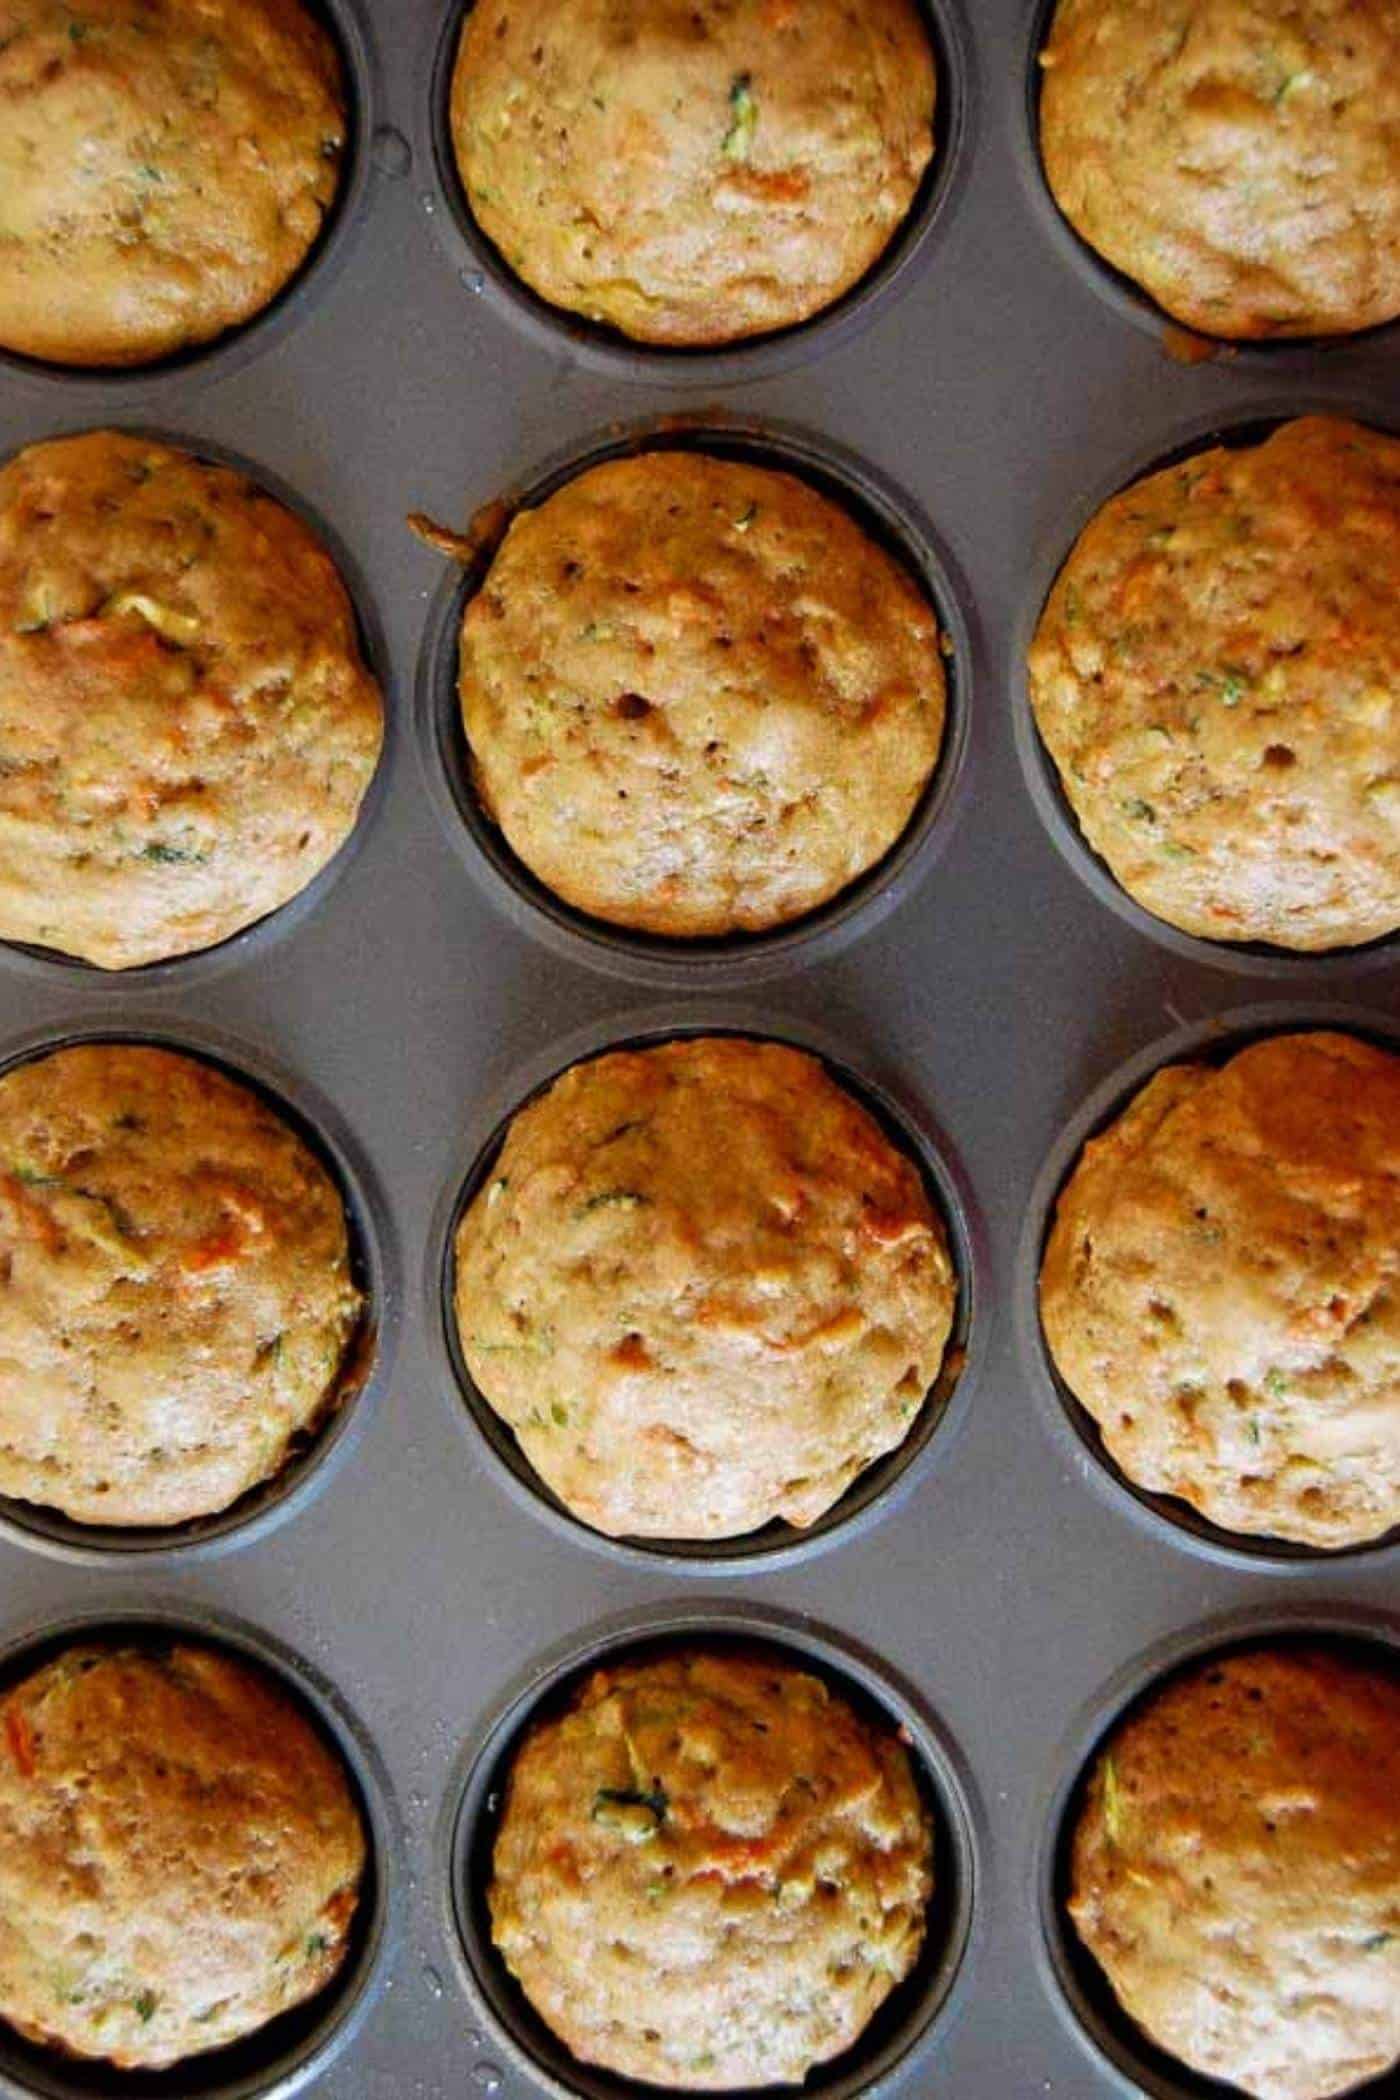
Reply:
x=374, y=1265
x=882, y=1484
x=1075, y=1983
x=483, y=270
x=889, y=518
x=1121, y=293
x=1243, y=958
x=298, y=2046
x=102, y=389
x=1071, y=1424
x=472, y=1814
x=250, y=943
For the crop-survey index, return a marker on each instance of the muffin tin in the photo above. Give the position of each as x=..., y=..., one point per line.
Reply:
x=981, y=993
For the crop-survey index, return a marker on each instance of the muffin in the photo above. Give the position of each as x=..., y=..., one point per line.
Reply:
x=700, y=700
x=178, y=1308
x=1216, y=675
x=703, y=1288
x=710, y=1871
x=1236, y=1870
x=187, y=726
x=164, y=169
x=691, y=172
x=1221, y=1288
x=180, y=1854
x=1239, y=161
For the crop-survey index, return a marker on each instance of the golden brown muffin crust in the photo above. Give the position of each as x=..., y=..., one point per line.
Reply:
x=692, y=171
x=180, y=1854
x=710, y=1872
x=176, y=1303
x=187, y=727
x=1239, y=159
x=164, y=169
x=1221, y=1288
x=1236, y=1870
x=700, y=699
x=1216, y=675
x=703, y=1288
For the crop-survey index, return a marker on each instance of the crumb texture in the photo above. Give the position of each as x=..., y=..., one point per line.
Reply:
x=1236, y=1870
x=710, y=1871
x=693, y=171
x=1238, y=159
x=165, y=168
x=1216, y=675
x=180, y=1854
x=703, y=1288
x=187, y=726
x=176, y=1303
x=700, y=699
x=1221, y=1288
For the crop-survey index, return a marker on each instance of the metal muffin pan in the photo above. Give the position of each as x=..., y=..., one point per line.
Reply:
x=1085, y=1998
x=245, y=945
x=875, y=1491
x=472, y=1818
x=374, y=1265
x=110, y=388
x=291, y=2052
x=894, y=523
x=1210, y=1042
x=482, y=269
x=1119, y=291
x=1247, y=958
x=1001, y=396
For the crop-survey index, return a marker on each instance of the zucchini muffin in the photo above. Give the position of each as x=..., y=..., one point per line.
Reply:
x=1239, y=160
x=1216, y=675
x=1221, y=1288
x=700, y=700
x=176, y=1302
x=692, y=172
x=1236, y=1870
x=164, y=169
x=710, y=1871
x=180, y=1854
x=187, y=726
x=703, y=1288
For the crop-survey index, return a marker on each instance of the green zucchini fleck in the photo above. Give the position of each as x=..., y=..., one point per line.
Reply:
x=737, y=142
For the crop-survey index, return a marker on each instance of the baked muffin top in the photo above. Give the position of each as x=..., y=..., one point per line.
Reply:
x=180, y=1854
x=710, y=1871
x=1239, y=160
x=1216, y=675
x=692, y=171
x=703, y=1288
x=1236, y=1869
x=700, y=699
x=177, y=1302
x=187, y=726
x=1221, y=1288
x=164, y=169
